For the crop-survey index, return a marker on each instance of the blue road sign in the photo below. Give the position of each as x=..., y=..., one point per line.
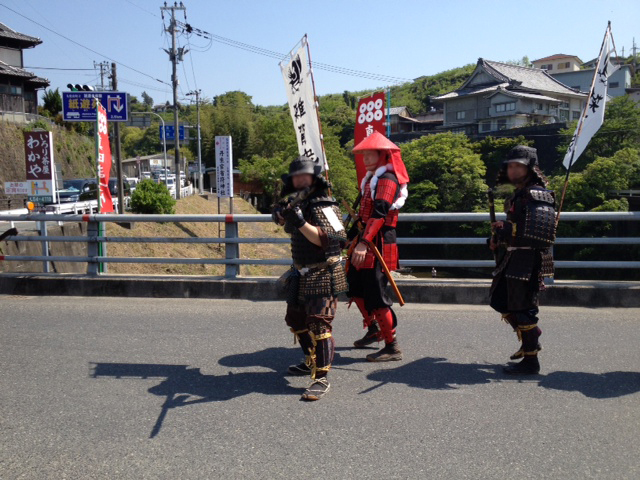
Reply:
x=171, y=132
x=81, y=106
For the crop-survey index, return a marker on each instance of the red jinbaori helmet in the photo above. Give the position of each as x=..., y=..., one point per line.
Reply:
x=377, y=141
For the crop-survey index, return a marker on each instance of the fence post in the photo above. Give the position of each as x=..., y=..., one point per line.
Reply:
x=45, y=246
x=92, y=247
x=232, y=250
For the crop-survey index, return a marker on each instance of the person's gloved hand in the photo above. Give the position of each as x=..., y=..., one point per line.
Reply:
x=294, y=217
x=276, y=216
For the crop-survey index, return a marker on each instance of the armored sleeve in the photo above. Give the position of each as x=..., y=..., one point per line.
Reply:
x=385, y=194
x=328, y=218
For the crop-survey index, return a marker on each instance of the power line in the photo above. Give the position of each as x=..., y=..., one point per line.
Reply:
x=56, y=68
x=82, y=46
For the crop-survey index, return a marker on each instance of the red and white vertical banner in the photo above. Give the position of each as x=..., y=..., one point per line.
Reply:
x=38, y=151
x=103, y=155
x=298, y=80
x=370, y=117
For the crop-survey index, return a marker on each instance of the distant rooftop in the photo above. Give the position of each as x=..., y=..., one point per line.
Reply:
x=6, y=69
x=510, y=77
x=557, y=56
x=26, y=40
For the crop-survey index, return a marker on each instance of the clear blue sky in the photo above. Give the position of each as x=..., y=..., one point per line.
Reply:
x=405, y=39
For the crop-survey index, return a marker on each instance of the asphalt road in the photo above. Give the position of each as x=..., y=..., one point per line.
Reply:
x=162, y=388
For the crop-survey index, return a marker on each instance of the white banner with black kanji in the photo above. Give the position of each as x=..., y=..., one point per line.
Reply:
x=298, y=82
x=593, y=114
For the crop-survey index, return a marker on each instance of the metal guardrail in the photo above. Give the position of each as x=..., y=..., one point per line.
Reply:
x=232, y=241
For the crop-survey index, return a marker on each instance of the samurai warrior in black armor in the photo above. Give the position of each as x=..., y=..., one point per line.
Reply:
x=313, y=219
x=528, y=235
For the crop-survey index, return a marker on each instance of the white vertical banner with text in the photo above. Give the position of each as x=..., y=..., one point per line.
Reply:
x=224, y=166
x=302, y=105
x=592, y=116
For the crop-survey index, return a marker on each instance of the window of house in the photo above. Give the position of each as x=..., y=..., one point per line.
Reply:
x=564, y=105
x=15, y=90
x=460, y=115
x=575, y=115
x=505, y=107
x=485, y=126
x=458, y=130
x=547, y=67
x=539, y=106
x=502, y=124
x=614, y=84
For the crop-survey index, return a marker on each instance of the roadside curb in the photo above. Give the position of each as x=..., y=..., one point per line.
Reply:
x=471, y=292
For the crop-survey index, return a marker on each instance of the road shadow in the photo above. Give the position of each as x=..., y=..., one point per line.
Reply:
x=439, y=374
x=594, y=385
x=279, y=358
x=183, y=386
x=436, y=374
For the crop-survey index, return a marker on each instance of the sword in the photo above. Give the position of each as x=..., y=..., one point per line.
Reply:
x=492, y=216
x=375, y=251
x=351, y=210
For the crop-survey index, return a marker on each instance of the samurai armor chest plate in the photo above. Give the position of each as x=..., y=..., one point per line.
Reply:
x=536, y=222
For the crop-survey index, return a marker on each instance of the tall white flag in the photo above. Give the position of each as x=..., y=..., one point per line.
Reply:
x=298, y=81
x=593, y=114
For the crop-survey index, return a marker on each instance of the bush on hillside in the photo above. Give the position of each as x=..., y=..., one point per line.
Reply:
x=152, y=198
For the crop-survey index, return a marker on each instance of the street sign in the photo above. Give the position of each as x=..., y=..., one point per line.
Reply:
x=17, y=188
x=224, y=166
x=39, y=199
x=39, y=165
x=81, y=106
x=171, y=132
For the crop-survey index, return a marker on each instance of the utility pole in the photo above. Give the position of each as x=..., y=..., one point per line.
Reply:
x=175, y=55
x=116, y=135
x=104, y=68
x=197, y=94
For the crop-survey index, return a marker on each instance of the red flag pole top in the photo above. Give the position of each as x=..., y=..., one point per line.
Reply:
x=377, y=141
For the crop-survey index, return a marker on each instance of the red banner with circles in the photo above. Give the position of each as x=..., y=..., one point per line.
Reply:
x=370, y=117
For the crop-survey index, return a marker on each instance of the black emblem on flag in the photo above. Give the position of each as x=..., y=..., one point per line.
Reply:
x=295, y=74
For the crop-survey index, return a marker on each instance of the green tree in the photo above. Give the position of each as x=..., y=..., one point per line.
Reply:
x=446, y=174
x=147, y=100
x=152, y=198
x=592, y=188
x=52, y=102
x=620, y=129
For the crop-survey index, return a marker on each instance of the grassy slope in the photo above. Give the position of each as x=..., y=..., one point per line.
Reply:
x=196, y=205
x=74, y=154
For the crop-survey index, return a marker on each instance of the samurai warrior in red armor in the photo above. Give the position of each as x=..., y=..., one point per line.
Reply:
x=384, y=192
x=527, y=235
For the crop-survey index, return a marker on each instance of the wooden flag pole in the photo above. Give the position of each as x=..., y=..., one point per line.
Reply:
x=580, y=124
x=317, y=108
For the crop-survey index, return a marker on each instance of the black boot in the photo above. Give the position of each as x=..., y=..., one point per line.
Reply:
x=389, y=353
x=300, y=370
x=528, y=366
x=372, y=336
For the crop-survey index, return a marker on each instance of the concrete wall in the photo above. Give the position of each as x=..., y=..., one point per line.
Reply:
x=55, y=248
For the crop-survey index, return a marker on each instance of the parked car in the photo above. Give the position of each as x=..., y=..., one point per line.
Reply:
x=78, y=190
x=133, y=183
x=113, y=187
